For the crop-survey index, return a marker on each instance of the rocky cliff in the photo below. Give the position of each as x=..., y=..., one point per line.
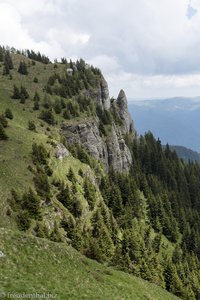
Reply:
x=111, y=149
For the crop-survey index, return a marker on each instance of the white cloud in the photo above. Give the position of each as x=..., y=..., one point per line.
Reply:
x=147, y=47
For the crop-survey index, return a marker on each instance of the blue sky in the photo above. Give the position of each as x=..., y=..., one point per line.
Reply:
x=149, y=48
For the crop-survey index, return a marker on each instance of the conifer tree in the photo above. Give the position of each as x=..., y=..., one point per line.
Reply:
x=3, y=121
x=3, y=135
x=22, y=68
x=31, y=203
x=8, y=114
x=8, y=60
x=16, y=92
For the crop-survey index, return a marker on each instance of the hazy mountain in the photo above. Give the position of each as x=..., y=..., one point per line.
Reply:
x=186, y=154
x=174, y=120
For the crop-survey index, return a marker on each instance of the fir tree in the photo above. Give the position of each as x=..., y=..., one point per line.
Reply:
x=22, y=68
x=3, y=135
x=3, y=121
x=8, y=114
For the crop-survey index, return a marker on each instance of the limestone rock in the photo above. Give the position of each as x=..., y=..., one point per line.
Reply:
x=111, y=152
x=103, y=97
x=61, y=151
x=2, y=254
x=124, y=114
x=86, y=134
x=119, y=156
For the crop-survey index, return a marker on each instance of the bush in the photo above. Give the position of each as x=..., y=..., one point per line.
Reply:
x=31, y=125
x=31, y=203
x=8, y=114
x=3, y=121
x=39, y=154
x=3, y=135
x=22, y=68
x=47, y=116
x=23, y=220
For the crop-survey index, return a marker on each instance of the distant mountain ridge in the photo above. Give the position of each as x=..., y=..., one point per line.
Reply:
x=185, y=153
x=175, y=121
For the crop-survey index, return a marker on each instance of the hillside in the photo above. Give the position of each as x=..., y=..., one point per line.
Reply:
x=33, y=265
x=74, y=173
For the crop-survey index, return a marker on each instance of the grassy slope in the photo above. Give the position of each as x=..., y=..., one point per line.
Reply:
x=38, y=265
x=33, y=264
x=15, y=153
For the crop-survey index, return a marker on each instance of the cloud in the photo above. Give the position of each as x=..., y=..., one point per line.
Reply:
x=191, y=12
x=145, y=46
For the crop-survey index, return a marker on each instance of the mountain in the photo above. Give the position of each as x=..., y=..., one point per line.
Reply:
x=186, y=154
x=78, y=186
x=175, y=121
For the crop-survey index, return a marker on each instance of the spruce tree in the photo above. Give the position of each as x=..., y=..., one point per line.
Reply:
x=8, y=60
x=3, y=135
x=3, y=121
x=22, y=68
x=8, y=114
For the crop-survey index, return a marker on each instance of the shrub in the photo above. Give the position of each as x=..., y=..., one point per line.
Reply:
x=39, y=154
x=8, y=114
x=3, y=121
x=47, y=116
x=22, y=68
x=3, y=135
x=31, y=203
x=23, y=220
x=31, y=125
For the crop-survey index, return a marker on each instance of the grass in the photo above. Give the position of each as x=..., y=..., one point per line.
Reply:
x=38, y=265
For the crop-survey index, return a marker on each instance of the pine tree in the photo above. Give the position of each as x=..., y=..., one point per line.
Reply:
x=3, y=121
x=16, y=92
x=71, y=175
x=8, y=60
x=31, y=125
x=22, y=68
x=31, y=203
x=23, y=220
x=3, y=135
x=23, y=92
x=65, y=197
x=55, y=234
x=89, y=192
x=47, y=116
x=8, y=114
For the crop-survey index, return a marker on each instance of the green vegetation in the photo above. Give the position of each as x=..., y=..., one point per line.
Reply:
x=37, y=265
x=144, y=222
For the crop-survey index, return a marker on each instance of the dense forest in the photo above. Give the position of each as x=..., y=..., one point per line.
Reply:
x=144, y=221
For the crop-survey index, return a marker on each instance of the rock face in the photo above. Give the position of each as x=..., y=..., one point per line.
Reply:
x=61, y=151
x=119, y=156
x=123, y=112
x=103, y=97
x=86, y=134
x=111, y=151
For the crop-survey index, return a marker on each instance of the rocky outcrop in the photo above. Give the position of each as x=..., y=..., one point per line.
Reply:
x=103, y=97
x=119, y=156
x=111, y=151
x=111, y=148
x=124, y=114
x=61, y=151
x=86, y=134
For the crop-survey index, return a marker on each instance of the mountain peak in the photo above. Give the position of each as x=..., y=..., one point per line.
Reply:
x=121, y=99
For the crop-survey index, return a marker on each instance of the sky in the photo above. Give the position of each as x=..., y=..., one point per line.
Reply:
x=149, y=48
